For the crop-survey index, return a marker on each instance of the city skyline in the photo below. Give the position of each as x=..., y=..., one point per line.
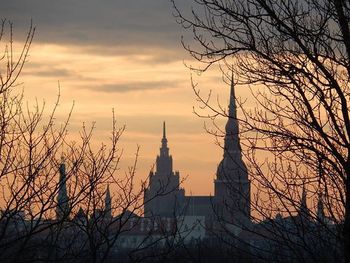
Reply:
x=130, y=61
x=175, y=131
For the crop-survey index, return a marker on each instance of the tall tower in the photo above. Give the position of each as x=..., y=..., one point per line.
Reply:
x=232, y=186
x=164, y=161
x=62, y=209
x=108, y=204
x=163, y=197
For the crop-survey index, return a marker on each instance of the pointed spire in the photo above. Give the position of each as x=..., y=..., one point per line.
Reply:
x=108, y=203
x=108, y=193
x=232, y=130
x=164, y=150
x=164, y=139
x=164, y=160
x=232, y=107
x=164, y=133
x=232, y=186
x=62, y=209
x=232, y=166
x=304, y=210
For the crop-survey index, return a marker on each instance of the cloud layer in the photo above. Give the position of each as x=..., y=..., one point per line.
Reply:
x=111, y=24
x=121, y=54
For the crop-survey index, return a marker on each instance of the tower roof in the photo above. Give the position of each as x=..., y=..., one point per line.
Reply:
x=164, y=160
x=62, y=208
x=108, y=203
x=304, y=210
x=232, y=106
x=232, y=166
x=164, y=139
x=164, y=133
x=108, y=193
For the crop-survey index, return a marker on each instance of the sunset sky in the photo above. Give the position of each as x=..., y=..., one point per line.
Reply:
x=124, y=55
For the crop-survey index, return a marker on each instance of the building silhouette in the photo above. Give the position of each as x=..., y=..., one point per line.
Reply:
x=63, y=208
x=108, y=203
x=163, y=197
x=231, y=201
x=232, y=186
x=222, y=221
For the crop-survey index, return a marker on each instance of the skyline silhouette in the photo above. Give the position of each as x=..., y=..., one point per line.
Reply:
x=129, y=61
x=250, y=97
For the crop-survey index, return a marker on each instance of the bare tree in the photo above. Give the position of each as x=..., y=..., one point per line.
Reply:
x=40, y=193
x=54, y=204
x=298, y=54
x=64, y=200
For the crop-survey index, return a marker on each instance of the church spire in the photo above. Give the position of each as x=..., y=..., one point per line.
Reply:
x=304, y=211
x=62, y=209
x=164, y=160
x=164, y=150
x=232, y=165
x=232, y=107
x=108, y=203
x=232, y=145
x=232, y=186
x=164, y=139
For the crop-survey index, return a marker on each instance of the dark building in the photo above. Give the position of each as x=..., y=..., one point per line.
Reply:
x=163, y=197
x=231, y=201
x=232, y=186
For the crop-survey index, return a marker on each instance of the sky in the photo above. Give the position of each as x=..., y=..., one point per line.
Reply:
x=126, y=56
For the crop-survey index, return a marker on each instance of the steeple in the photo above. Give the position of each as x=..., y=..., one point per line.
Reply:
x=232, y=106
x=163, y=195
x=108, y=203
x=62, y=209
x=232, y=166
x=164, y=160
x=164, y=139
x=232, y=145
x=304, y=211
x=232, y=187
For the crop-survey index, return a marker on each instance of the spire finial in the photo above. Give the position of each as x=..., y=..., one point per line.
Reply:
x=164, y=149
x=232, y=106
x=164, y=131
